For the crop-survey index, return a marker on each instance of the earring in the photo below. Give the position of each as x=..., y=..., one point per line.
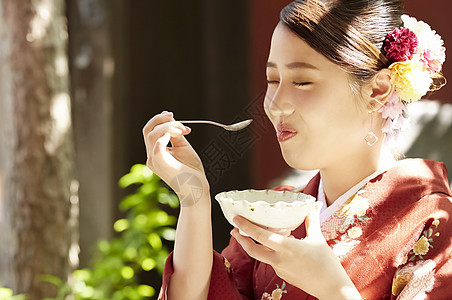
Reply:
x=371, y=138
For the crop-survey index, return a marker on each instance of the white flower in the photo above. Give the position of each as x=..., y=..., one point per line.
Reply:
x=343, y=247
x=355, y=232
x=430, y=43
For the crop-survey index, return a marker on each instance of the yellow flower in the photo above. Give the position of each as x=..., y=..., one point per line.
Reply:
x=410, y=79
x=436, y=223
x=422, y=246
x=355, y=232
x=400, y=282
x=356, y=205
x=405, y=260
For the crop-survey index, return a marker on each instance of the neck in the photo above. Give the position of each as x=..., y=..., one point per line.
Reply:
x=346, y=173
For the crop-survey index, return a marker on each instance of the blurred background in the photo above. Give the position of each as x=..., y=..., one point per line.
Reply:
x=80, y=78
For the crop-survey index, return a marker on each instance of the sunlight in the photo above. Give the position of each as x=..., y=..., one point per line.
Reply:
x=420, y=114
x=74, y=249
x=444, y=120
x=61, y=65
x=109, y=67
x=61, y=116
x=42, y=19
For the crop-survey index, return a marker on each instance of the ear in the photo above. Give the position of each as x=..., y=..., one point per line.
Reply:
x=380, y=88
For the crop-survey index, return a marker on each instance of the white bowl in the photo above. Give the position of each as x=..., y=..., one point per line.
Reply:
x=268, y=208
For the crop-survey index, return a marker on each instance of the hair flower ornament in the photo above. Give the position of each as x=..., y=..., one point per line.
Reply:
x=417, y=54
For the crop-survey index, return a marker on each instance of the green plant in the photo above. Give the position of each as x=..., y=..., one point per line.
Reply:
x=7, y=294
x=119, y=264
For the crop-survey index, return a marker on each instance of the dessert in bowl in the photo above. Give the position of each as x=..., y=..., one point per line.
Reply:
x=267, y=208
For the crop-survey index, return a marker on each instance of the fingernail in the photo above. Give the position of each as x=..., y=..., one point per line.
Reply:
x=187, y=128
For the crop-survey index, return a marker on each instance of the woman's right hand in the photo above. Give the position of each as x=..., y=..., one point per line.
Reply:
x=179, y=165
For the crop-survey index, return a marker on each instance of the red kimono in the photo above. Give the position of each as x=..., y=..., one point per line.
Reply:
x=393, y=237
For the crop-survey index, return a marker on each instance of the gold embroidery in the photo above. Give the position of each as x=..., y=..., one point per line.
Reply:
x=227, y=264
x=277, y=293
x=422, y=246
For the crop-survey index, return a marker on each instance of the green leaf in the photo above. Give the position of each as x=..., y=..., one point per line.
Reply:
x=168, y=234
x=5, y=293
x=148, y=264
x=146, y=290
x=51, y=279
x=155, y=241
x=130, y=201
x=363, y=218
x=121, y=225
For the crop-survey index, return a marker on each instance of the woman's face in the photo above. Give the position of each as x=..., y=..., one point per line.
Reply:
x=318, y=119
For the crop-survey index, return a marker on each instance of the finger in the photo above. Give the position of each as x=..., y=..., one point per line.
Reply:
x=161, y=157
x=153, y=137
x=154, y=121
x=175, y=129
x=312, y=221
x=254, y=250
x=265, y=237
x=283, y=232
x=179, y=140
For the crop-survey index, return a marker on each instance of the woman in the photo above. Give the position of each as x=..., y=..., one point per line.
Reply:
x=339, y=75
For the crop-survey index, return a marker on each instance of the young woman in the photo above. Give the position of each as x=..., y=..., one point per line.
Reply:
x=340, y=73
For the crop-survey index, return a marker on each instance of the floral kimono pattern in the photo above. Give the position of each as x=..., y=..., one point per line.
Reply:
x=392, y=238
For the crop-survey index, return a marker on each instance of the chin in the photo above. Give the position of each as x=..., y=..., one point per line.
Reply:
x=300, y=160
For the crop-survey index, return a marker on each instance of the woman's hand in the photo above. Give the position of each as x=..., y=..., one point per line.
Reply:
x=179, y=165
x=308, y=264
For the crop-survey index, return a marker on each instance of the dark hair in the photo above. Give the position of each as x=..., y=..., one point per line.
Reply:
x=350, y=33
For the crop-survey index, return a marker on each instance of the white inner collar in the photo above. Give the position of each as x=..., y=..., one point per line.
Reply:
x=327, y=211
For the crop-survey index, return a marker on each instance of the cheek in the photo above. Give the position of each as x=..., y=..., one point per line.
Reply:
x=266, y=103
x=311, y=105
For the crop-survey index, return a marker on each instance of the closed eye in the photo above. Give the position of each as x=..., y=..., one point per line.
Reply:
x=270, y=82
x=301, y=83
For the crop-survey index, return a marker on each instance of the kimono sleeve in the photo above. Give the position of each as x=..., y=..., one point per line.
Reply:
x=426, y=272
x=232, y=275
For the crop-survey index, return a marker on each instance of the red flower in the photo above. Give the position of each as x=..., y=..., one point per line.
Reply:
x=401, y=44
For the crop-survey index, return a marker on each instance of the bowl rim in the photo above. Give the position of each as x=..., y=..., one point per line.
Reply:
x=306, y=199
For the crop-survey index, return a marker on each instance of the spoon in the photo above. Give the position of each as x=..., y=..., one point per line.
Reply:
x=233, y=127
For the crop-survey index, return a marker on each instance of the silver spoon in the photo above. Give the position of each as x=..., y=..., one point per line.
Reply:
x=233, y=127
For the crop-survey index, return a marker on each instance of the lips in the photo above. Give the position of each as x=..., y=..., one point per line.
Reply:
x=285, y=132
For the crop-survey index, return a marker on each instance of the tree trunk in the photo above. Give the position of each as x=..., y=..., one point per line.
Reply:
x=37, y=183
x=92, y=67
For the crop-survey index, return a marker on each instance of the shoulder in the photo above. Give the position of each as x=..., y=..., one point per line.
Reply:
x=413, y=178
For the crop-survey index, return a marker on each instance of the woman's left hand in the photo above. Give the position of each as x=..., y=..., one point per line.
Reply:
x=308, y=264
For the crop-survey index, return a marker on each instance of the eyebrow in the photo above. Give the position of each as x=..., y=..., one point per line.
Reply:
x=293, y=65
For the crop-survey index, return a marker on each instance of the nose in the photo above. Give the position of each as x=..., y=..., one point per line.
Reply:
x=278, y=104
